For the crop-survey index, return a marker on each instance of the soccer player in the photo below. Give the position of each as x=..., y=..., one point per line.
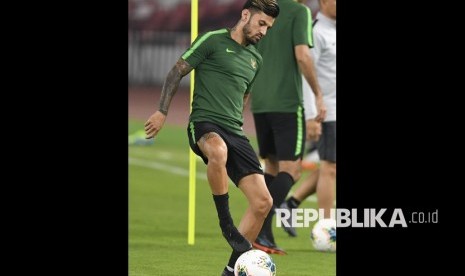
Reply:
x=277, y=105
x=323, y=180
x=226, y=63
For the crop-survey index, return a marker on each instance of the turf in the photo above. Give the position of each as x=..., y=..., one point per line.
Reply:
x=158, y=201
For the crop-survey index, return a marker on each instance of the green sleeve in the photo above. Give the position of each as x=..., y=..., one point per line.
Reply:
x=198, y=51
x=302, y=31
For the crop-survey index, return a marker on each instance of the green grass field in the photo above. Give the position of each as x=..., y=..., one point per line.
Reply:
x=158, y=201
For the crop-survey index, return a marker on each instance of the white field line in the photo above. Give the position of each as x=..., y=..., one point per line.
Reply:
x=141, y=152
x=163, y=167
x=180, y=171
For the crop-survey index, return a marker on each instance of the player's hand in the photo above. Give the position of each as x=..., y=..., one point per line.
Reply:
x=154, y=124
x=321, y=109
x=313, y=130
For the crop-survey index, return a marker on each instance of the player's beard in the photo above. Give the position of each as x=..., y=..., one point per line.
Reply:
x=249, y=38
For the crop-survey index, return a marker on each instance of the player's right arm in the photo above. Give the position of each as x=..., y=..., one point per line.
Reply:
x=313, y=126
x=302, y=35
x=170, y=87
x=306, y=65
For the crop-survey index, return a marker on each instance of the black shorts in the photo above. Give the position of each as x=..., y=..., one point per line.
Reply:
x=327, y=143
x=242, y=159
x=281, y=134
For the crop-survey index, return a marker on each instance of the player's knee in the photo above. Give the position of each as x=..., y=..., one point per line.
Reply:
x=332, y=171
x=263, y=205
x=218, y=155
x=329, y=169
x=268, y=203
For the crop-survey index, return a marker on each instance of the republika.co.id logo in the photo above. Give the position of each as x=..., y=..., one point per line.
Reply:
x=367, y=218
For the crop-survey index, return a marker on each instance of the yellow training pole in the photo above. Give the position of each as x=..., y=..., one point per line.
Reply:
x=192, y=157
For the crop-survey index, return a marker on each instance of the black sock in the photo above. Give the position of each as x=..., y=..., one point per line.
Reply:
x=292, y=202
x=222, y=207
x=268, y=179
x=232, y=260
x=280, y=187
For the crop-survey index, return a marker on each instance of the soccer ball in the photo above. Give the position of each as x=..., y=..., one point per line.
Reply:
x=254, y=263
x=323, y=235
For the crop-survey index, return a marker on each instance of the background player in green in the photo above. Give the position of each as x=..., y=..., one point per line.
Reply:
x=323, y=180
x=277, y=105
x=226, y=64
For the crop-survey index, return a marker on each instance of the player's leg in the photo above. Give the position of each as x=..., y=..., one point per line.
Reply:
x=311, y=160
x=289, y=173
x=308, y=186
x=260, y=202
x=214, y=148
x=266, y=145
x=305, y=189
x=326, y=187
x=267, y=151
x=214, y=151
x=245, y=171
x=289, y=136
x=271, y=167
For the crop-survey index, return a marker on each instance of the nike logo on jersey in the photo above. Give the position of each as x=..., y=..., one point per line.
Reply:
x=229, y=51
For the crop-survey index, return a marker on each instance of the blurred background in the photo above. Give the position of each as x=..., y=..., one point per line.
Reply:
x=158, y=33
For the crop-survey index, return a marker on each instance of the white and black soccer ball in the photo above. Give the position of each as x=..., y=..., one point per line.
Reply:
x=323, y=235
x=255, y=263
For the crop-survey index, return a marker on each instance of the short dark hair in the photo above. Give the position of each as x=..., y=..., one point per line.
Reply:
x=269, y=7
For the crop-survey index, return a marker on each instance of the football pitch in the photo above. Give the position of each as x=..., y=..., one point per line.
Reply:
x=158, y=209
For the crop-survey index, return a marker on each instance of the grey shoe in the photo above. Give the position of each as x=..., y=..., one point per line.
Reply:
x=290, y=230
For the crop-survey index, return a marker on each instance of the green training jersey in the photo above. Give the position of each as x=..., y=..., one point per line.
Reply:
x=224, y=73
x=278, y=86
